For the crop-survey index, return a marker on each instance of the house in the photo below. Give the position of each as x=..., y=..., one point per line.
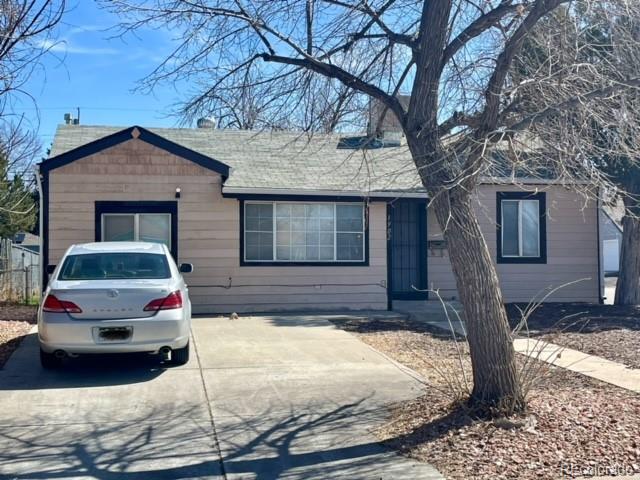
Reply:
x=27, y=240
x=276, y=221
x=19, y=267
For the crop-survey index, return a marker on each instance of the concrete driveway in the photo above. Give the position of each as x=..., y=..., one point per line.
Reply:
x=262, y=397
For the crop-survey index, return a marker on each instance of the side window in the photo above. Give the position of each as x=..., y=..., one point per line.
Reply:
x=521, y=234
x=142, y=227
x=137, y=221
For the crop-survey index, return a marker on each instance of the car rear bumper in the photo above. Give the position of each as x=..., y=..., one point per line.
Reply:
x=81, y=336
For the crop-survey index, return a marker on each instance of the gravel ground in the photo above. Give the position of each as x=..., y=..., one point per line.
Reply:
x=575, y=426
x=15, y=323
x=605, y=330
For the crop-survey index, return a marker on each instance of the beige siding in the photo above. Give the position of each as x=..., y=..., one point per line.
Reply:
x=572, y=250
x=208, y=234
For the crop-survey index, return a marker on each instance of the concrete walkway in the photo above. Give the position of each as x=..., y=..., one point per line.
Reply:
x=433, y=313
x=589, y=365
x=261, y=398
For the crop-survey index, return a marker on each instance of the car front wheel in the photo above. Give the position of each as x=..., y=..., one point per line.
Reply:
x=180, y=356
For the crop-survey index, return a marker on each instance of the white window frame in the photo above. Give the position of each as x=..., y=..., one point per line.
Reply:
x=274, y=258
x=136, y=224
x=520, y=234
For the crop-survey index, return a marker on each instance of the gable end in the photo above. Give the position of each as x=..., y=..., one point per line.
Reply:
x=141, y=134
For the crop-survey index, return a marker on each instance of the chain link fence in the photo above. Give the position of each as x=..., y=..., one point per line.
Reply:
x=19, y=273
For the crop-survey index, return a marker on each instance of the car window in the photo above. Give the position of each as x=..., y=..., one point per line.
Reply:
x=114, y=266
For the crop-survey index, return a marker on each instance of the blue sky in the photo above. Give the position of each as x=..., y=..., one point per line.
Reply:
x=90, y=69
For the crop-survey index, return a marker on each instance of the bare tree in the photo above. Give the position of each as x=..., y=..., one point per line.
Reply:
x=455, y=58
x=323, y=105
x=18, y=207
x=601, y=40
x=26, y=29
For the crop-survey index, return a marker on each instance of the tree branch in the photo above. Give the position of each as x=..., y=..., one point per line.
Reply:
x=477, y=27
x=573, y=102
x=505, y=59
x=348, y=79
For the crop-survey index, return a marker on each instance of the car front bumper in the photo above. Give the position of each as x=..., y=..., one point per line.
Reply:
x=60, y=332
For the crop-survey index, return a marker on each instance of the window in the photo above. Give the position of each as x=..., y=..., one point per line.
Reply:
x=291, y=232
x=114, y=266
x=143, y=227
x=146, y=221
x=521, y=227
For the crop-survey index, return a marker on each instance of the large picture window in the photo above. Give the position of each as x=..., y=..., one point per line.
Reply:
x=521, y=227
x=292, y=232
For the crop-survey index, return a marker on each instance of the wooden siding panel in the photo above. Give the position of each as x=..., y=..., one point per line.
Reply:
x=208, y=232
x=572, y=250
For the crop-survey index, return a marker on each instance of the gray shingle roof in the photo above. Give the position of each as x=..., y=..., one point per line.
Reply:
x=278, y=160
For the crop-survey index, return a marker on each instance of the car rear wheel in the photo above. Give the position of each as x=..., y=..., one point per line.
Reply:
x=49, y=361
x=180, y=356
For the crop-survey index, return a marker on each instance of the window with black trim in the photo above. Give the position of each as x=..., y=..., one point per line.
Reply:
x=137, y=227
x=298, y=232
x=521, y=235
x=144, y=221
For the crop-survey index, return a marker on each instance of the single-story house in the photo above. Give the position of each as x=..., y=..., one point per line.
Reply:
x=276, y=221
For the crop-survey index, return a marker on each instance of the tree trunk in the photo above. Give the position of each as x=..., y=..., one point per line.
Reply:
x=497, y=388
x=628, y=287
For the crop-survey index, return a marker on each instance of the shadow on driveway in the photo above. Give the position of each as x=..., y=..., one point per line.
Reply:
x=274, y=445
x=23, y=370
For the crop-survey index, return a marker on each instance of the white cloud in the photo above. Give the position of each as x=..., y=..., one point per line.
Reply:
x=66, y=47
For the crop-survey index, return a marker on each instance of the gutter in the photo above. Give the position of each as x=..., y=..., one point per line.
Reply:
x=233, y=192
x=601, y=280
x=40, y=226
x=529, y=181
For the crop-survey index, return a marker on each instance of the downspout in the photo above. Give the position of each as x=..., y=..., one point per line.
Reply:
x=601, y=280
x=42, y=267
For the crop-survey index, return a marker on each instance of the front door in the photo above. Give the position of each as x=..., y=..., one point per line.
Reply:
x=407, y=249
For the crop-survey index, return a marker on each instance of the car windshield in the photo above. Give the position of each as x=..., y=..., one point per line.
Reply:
x=110, y=266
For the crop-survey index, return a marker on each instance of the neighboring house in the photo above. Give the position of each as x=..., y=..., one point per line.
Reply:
x=611, y=233
x=27, y=240
x=279, y=221
x=20, y=267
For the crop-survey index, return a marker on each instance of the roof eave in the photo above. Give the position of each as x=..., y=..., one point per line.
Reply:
x=133, y=133
x=250, y=192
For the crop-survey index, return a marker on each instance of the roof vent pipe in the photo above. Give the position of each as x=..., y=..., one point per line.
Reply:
x=69, y=120
x=209, y=122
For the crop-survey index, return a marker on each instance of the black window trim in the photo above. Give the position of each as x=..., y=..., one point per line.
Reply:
x=102, y=207
x=276, y=263
x=541, y=197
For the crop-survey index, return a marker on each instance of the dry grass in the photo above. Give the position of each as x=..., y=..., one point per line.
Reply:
x=575, y=425
x=15, y=323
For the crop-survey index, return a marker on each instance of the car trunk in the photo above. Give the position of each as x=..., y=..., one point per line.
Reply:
x=117, y=299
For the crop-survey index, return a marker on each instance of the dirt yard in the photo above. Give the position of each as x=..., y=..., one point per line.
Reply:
x=15, y=323
x=575, y=427
x=608, y=331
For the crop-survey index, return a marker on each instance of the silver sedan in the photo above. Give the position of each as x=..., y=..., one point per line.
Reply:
x=115, y=297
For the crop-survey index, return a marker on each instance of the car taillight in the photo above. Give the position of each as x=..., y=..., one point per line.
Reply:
x=53, y=304
x=173, y=300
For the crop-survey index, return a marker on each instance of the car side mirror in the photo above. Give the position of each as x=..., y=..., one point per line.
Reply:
x=50, y=269
x=186, y=268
